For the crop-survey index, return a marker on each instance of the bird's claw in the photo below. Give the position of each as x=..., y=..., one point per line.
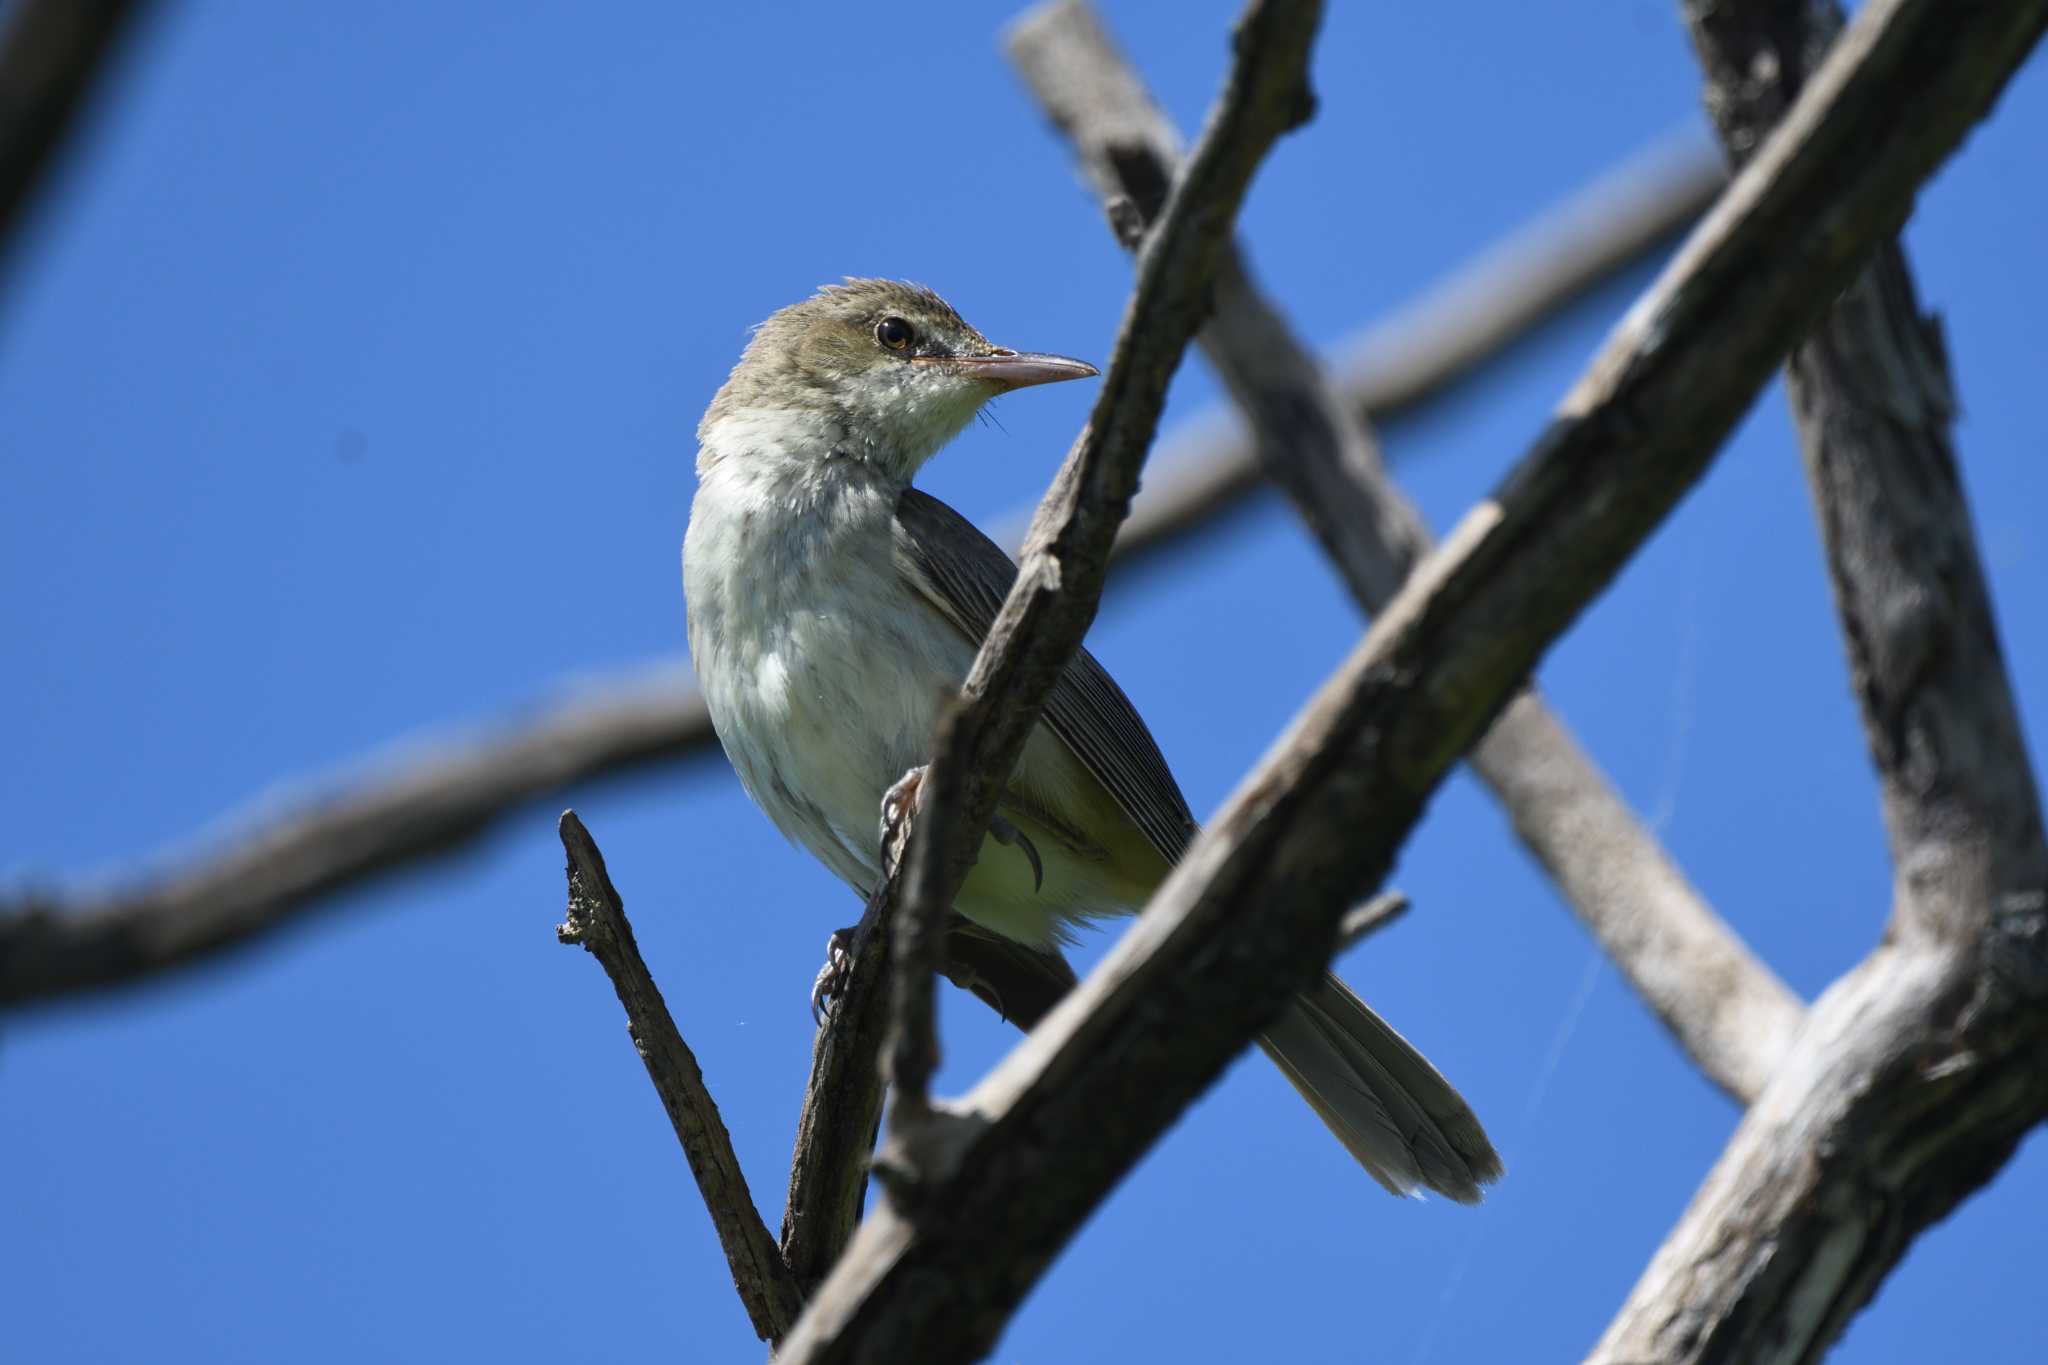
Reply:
x=832, y=977
x=1008, y=835
x=897, y=805
x=900, y=802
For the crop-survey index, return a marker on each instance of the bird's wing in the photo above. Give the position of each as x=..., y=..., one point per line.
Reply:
x=966, y=576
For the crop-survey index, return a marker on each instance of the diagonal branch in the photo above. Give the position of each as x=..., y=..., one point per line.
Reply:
x=1726, y=1008
x=298, y=856
x=828, y=1173
x=1926, y=1063
x=843, y=1098
x=597, y=922
x=1397, y=366
x=842, y=1108
x=1871, y=393
x=1066, y=552
x=978, y=742
x=291, y=859
x=1247, y=917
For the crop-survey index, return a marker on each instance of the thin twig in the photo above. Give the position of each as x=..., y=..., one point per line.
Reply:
x=291, y=857
x=1368, y=919
x=1249, y=914
x=1926, y=1063
x=1727, y=1008
x=597, y=921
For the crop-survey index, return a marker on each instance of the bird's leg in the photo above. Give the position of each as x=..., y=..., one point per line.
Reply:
x=1008, y=835
x=967, y=979
x=831, y=979
x=897, y=804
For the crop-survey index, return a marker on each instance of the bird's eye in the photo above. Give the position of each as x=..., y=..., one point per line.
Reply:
x=895, y=333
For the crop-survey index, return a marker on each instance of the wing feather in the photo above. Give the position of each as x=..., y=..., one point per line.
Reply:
x=966, y=576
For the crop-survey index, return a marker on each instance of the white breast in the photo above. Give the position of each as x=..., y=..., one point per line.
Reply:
x=822, y=687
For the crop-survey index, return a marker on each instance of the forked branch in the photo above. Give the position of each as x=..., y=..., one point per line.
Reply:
x=1922, y=1067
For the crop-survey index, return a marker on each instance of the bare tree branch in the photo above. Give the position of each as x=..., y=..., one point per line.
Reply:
x=1728, y=1010
x=1252, y=911
x=1405, y=359
x=1870, y=391
x=51, y=55
x=292, y=857
x=1397, y=366
x=1925, y=1064
x=1368, y=919
x=1066, y=553
x=916, y=958
x=597, y=921
x=835, y=1130
x=59, y=944
x=843, y=1098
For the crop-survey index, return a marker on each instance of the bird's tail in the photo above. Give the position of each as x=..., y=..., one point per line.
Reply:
x=1384, y=1101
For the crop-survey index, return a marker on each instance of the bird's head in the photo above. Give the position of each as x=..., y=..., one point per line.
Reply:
x=889, y=368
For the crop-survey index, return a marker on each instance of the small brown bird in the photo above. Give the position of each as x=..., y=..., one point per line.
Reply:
x=831, y=604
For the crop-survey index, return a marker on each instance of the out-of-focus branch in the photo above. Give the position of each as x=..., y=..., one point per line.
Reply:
x=297, y=854
x=1400, y=364
x=1251, y=912
x=1726, y=1008
x=51, y=54
x=1923, y=1066
x=597, y=921
x=291, y=857
x=1368, y=919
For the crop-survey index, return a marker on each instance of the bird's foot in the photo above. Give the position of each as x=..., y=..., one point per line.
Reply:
x=898, y=803
x=832, y=977
x=1009, y=836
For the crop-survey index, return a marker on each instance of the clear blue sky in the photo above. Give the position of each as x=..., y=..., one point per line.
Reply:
x=346, y=392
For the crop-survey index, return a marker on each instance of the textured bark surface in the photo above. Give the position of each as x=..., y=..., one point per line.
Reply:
x=1921, y=1069
x=842, y=1109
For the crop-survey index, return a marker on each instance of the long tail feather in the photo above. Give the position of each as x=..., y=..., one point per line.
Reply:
x=1389, y=1107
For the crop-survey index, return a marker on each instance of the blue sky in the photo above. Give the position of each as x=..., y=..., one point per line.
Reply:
x=347, y=387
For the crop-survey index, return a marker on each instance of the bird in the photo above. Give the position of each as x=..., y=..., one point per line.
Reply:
x=832, y=606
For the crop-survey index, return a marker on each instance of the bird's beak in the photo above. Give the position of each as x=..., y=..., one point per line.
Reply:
x=1021, y=369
